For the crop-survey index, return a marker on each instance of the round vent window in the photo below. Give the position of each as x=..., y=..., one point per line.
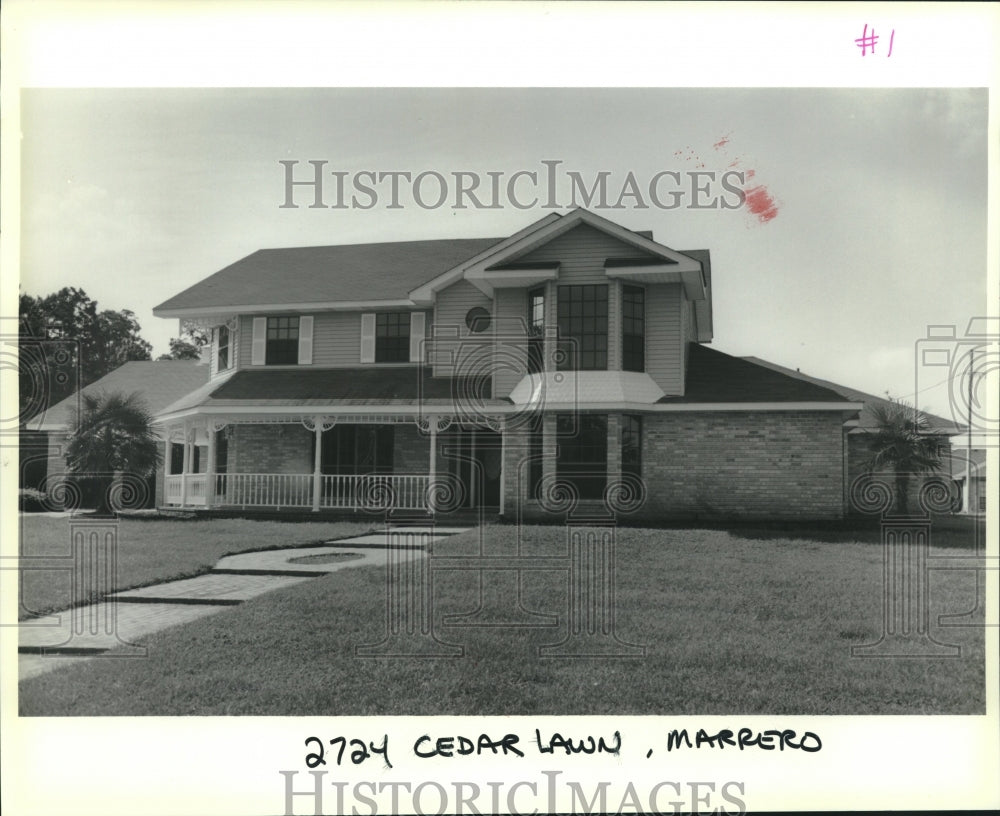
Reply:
x=477, y=319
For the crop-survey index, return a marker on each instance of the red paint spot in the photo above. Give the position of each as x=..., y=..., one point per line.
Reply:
x=760, y=203
x=721, y=143
x=751, y=173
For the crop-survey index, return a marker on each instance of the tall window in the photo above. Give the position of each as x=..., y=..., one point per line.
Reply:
x=282, y=341
x=583, y=327
x=632, y=445
x=536, y=330
x=583, y=453
x=392, y=337
x=222, y=357
x=633, y=328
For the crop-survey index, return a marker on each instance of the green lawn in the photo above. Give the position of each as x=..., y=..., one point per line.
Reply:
x=150, y=551
x=733, y=624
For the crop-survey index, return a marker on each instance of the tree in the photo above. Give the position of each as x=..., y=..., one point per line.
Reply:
x=66, y=344
x=189, y=348
x=111, y=434
x=904, y=442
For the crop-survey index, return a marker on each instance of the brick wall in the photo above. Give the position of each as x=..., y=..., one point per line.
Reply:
x=282, y=448
x=411, y=449
x=726, y=465
x=753, y=464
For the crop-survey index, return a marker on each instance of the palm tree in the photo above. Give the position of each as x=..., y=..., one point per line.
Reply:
x=111, y=434
x=904, y=442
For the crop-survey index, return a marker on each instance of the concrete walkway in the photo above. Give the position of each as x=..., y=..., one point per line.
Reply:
x=115, y=627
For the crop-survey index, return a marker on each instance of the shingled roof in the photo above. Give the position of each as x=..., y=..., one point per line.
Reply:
x=160, y=382
x=407, y=385
x=866, y=419
x=713, y=376
x=351, y=273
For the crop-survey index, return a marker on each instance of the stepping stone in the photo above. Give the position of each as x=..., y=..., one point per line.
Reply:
x=222, y=588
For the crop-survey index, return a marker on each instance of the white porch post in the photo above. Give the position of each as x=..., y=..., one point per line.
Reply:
x=167, y=451
x=317, y=463
x=210, y=464
x=185, y=466
x=432, y=469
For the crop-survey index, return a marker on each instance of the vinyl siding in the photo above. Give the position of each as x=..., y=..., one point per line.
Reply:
x=453, y=303
x=336, y=339
x=510, y=333
x=664, y=348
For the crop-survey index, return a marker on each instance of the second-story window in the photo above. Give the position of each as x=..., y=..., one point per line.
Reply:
x=583, y=327
x=633, y=328
x=282, y=341
x=392, y=337
x=536, y=330
x=222, y=355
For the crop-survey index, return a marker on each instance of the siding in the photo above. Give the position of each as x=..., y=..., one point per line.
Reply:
x=449, y=316
x=511, y=350
x=336, y=339
x=664, y=349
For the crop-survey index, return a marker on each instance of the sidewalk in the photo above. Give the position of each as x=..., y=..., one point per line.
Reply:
x=114, y=627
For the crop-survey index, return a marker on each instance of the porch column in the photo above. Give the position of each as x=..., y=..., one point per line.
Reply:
x=185, y=466
x=210, y=464
x=317, y=463
x=432, y=469
x=167, y=450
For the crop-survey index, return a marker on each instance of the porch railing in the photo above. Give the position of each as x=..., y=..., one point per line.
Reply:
x=373, y=491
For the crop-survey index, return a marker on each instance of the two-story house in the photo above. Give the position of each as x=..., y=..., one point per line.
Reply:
x=566, y=361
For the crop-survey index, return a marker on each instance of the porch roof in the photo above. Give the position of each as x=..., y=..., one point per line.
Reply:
x=373, y=386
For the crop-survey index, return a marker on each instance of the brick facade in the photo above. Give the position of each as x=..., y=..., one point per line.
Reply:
x=718, y=465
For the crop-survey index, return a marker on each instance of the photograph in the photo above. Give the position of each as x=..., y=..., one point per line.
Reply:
x=452, y=430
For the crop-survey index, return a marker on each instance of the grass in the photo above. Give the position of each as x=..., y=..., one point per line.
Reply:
x=151, y=551
x=733, y=624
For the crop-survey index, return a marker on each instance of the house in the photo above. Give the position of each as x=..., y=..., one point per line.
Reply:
x=861, y=430
x=160, y=382
x=566, y=364
x=970, y=477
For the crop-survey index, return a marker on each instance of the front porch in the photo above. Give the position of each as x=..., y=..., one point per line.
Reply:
x=349, y=463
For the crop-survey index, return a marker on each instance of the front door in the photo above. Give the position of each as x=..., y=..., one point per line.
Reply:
x=474, y=459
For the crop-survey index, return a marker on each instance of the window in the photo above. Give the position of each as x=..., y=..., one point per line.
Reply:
x=632, y=446
x=582, y=460
x=357, y=449
x=583, y=327
x=222, y=356
x=176, y=458
x=536, y=330
x=477, y=320
x=282, y=341
x=633, y=328
x=392, y=337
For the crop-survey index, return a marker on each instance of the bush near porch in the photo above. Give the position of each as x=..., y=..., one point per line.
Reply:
x=757, y=623
x=151, y=551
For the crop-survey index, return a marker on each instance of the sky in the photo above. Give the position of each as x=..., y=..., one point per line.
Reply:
x=880, y=197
